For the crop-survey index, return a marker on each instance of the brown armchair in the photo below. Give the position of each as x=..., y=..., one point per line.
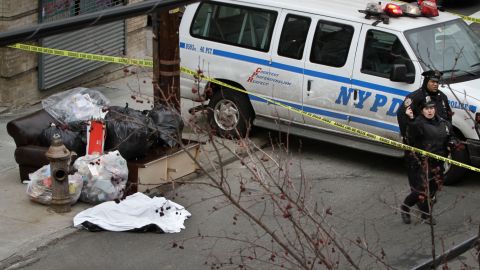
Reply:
x=26, y=131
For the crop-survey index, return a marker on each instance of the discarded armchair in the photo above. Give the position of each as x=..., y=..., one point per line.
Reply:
x=26, y=132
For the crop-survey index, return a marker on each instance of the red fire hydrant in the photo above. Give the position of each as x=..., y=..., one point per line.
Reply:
x=59, y=157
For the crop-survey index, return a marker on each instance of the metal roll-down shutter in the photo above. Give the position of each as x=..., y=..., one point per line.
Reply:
x=108, y=39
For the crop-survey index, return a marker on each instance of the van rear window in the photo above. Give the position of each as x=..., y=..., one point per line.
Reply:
x=235, y=25
x=294, y=35
x=331, y=44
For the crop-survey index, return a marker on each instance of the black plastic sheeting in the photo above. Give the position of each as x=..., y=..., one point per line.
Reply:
x=91, y=227
x=73, y=137
x=129, y=131
x=168, y=124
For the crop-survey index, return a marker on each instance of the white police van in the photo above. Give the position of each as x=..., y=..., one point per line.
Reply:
x=326, y=57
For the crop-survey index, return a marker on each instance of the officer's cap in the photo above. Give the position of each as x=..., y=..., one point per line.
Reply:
x=427, y=103
x=433, y=75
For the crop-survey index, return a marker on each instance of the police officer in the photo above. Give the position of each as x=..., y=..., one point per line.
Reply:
x=414, y=100
x=429, y=132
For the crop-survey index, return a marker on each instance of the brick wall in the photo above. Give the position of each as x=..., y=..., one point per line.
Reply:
x=18, y=69
x=19, y=90
x=136, y=37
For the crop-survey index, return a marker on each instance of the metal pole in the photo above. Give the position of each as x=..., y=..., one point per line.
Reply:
x=29, y=33
x=449, y=254
x=166, y=58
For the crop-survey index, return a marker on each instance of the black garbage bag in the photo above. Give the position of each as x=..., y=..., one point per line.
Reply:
x=129, y=131
x=168, y=124
x=80, y=126
x=72, y=139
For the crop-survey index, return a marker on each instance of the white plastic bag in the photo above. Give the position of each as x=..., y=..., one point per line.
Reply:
x=76, y=104
x=105, y=177
x=39, y=188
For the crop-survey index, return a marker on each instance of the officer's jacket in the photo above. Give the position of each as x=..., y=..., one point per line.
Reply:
x=415, y=99
x=432, y=135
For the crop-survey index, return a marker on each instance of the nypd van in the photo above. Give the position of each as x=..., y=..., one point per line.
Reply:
x=348, y=60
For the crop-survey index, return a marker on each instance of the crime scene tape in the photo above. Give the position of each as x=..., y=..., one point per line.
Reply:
x=467, y=18
x=86, y=56
x=148, y=63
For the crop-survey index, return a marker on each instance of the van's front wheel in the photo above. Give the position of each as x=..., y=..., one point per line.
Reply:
x=230, y=113
x=453, y=174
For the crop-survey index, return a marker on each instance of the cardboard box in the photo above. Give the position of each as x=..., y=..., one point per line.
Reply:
x=161, y=167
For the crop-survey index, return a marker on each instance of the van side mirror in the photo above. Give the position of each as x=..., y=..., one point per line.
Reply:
x=399, y=74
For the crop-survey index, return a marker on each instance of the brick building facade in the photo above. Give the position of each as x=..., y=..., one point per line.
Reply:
x=19, y=76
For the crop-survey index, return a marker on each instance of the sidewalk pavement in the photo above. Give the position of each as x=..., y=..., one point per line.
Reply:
x=25, y=226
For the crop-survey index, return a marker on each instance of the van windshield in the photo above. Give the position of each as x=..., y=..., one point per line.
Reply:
x=451, y=47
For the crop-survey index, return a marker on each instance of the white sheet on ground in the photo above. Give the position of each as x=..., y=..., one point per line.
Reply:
x=136, y=211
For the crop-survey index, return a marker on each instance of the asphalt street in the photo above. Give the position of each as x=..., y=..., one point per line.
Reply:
x=361, y=189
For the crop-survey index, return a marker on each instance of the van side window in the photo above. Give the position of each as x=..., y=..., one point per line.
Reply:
x=294, y=36
x=235, y=25
x=331, y=44
x=382, y=50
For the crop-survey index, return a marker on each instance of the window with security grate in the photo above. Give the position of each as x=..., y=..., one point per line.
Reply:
x=52, y=10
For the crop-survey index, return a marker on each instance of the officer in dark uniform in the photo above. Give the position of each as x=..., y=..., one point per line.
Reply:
x=414, y=100
x=429, y=132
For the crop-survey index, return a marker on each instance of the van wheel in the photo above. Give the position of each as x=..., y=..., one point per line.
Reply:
x=230, y=113
x=453, y=174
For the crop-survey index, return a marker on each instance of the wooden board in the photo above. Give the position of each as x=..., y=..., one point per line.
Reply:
x=160, y=167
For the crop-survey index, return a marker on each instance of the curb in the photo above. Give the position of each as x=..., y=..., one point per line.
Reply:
x=25, y=254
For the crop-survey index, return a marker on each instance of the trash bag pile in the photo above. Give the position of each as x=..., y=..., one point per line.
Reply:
x=76, y=104
x=131, y=132
x=104, y=177
x=129, y=135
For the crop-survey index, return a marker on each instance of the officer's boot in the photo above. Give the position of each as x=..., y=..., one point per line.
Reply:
x=426, y=216
x=405, y=214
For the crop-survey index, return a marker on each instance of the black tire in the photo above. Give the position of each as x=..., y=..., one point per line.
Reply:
x=453, y=174
x=230, y=113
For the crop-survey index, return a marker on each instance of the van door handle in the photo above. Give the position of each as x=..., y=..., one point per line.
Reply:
x=309, y=85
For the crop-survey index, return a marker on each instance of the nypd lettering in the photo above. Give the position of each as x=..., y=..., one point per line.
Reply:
x=379, y=100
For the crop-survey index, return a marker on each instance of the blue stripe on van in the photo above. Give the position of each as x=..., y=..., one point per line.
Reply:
x=381, y=88
x=241, y=57
x=374, y=123
x=321, y=75
x=327, y=76
x=313, y=73
x=335, y=115
x=287, y=67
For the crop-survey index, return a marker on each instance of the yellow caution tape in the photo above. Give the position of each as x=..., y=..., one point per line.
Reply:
x=86, y=56
x=467, y=18
x=149, y=63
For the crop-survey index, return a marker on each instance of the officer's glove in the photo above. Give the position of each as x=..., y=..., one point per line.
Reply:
x=455, y=145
